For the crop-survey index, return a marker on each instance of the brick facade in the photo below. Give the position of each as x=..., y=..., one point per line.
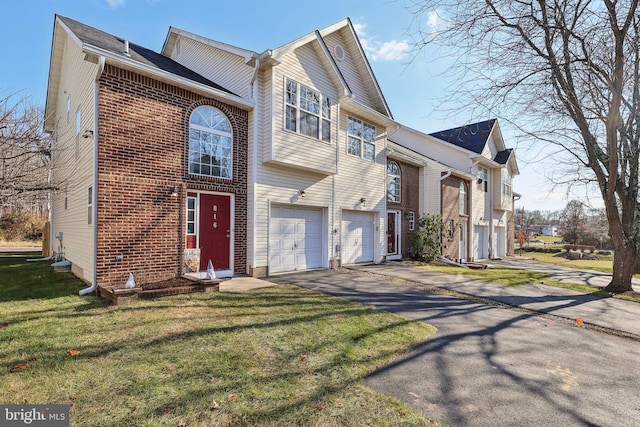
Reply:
x=409, y=202
x=142, y=156
x=451, y=217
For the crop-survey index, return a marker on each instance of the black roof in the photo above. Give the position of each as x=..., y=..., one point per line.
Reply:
x=472, y=137
x=503, y=156
x=113, y=44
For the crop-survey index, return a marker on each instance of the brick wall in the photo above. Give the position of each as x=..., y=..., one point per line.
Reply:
x=451, y=212
x=409, y=202
x=142, y=156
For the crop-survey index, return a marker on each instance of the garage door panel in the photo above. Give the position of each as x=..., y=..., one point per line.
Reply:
x=296, y=239
x=358, y=237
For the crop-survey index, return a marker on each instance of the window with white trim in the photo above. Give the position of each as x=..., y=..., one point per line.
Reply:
x=463, y=198
x=483, y=178
x=210, y=143
x=361, y=138
x=307, y=111
x=506, y=183
x=411, y=217
x=393, y=182
x=191, y=216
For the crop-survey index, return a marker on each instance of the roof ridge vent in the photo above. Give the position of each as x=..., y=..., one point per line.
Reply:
x=126, y=49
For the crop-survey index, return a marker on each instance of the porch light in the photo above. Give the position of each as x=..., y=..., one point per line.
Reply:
x=301, y=193
x=174, y=191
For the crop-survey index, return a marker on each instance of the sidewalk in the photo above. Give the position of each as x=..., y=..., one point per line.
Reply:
x=611, y=313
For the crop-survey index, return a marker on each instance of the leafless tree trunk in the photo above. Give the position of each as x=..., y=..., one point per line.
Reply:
x=25, y=152
x=568, y=70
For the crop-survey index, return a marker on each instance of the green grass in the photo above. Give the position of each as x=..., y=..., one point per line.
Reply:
x=603, y=264
x=516, y=277
x=275, y=356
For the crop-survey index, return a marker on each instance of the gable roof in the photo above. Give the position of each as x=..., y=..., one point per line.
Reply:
x=319, y=36
x=472, y=137
x=110, y=43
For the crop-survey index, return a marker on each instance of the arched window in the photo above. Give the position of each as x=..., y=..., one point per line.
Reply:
x=393, y=182
x=210, y=143
x=463, y=198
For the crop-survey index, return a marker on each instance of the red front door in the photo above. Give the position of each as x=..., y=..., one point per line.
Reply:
x=215, y=231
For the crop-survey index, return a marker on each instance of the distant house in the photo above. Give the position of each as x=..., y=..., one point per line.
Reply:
x=549, y=230
x=262, y=162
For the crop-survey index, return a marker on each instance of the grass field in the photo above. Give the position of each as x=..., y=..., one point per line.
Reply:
x=276, y=356
x=603, y=264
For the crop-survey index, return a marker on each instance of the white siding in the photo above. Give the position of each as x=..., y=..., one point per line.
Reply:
x=290, y=148
x=431, y=147
x=73, y=163
x=354, y=70
x=223, y=68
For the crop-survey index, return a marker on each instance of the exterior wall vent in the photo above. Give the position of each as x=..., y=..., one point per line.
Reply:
x=338, y=51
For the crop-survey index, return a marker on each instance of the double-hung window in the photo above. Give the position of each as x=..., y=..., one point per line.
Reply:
x=307, y=111
x=506, y=183
x=361, y=138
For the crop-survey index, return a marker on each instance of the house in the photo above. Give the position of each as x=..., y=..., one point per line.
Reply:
x=549, y=230
x=260, y=162
x=317, y=160
x=491, y=195
x=146, y=151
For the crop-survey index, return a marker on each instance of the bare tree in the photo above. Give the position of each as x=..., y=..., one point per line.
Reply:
x=573, y=222
x=25, y=151
x=568, y=70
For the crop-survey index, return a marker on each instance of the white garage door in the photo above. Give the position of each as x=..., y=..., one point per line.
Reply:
x=357, y=237
x=296, y=239
x=480, y=244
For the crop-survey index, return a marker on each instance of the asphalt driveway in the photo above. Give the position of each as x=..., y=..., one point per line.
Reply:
x=490, y=365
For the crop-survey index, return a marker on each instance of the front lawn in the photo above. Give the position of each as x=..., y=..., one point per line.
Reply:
x=604, y=264
x=275, y=356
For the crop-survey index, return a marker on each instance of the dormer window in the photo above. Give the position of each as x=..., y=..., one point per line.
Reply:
x=307, y=111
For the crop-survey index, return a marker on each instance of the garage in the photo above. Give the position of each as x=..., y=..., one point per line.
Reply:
x=295, y=239
x=357, y=237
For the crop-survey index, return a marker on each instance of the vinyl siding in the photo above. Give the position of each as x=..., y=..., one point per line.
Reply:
x=293, y=149
x=433, y=148
x=354, y=70
x=221, y=67
x=360, y=178
x=73, y=168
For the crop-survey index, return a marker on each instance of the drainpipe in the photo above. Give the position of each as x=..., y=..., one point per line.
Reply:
x=253, y=92
x=96, y=90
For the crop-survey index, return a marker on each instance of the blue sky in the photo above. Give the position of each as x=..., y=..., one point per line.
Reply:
x=413, y=87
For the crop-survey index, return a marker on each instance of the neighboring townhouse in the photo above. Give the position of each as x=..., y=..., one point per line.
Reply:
x=146, y=152
x=427, y=186
x=494, y=165
x=474, y=194
x=317, y=164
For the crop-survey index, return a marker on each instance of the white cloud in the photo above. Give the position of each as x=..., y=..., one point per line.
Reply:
x=115, y=3
x=433, y=20
x=381, y=51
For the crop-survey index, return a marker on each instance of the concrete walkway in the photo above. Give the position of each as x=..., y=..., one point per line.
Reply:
x=243, y=284
x=611, y=313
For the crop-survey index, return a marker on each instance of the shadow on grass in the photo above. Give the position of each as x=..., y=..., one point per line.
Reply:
x=24, y=280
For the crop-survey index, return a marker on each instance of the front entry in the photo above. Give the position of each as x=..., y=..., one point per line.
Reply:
x=215, y=231
x=393, y=235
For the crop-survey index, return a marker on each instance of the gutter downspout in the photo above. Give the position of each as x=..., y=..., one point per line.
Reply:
x=254, y=93
x=96, y=90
